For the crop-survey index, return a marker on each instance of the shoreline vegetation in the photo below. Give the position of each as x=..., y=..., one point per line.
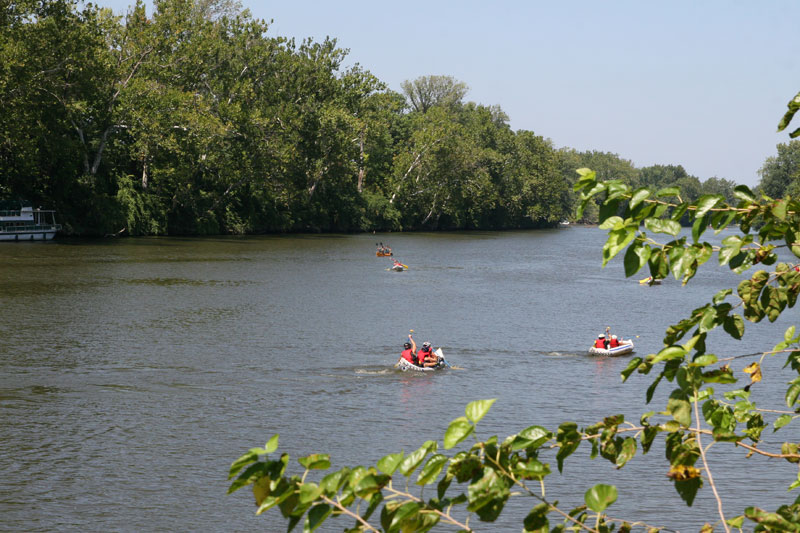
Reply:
x=192, y=121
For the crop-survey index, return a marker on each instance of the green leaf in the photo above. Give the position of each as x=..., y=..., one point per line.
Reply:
x=626, y=452
x=707, y=202
x=668, y=191
x=679, y=407
x=316, y=461
x=241, y=462
x=414, y=459
x=389, y=463
x=588, y=178
x=720, y=296
x=781, y=421
x=530, y=438
x=635, y=258
x=688, y=489
x=271, y=445
x=743, y=192
x=331, y=483
x=403, y=513
x=487, y=494
x=599, y=497
x=458, y=430
x=731, y=246
x=617, y=240
x=369, y=485
x=660, y=225
x=317, y=515
x=736, y=522
x=632, y=365
x=734, y=326
x=477, y=409
x=309, y=492
x=536, y=521
x=614, y=222
x=698, y=227
x=668, y=353
x=792, y=392
x=704, y=360
x=779, y=209
x=532, y=469
x=639, y=195
x=432, y=469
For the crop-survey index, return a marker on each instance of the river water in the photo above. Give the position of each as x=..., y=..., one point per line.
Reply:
x=134, y=371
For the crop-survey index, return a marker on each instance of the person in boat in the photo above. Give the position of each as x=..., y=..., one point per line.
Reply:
x=426, y=357
x=409, y=347
x=614, y=342
x=601, y=342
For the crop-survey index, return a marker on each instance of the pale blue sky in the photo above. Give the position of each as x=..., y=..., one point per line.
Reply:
x=697, y=83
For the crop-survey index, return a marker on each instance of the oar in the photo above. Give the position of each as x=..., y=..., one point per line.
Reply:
x=439, y=352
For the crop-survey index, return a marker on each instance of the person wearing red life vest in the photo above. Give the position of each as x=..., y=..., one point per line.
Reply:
x=426, y=357
x=614, y=342
x=409, y=347
x=601, y=342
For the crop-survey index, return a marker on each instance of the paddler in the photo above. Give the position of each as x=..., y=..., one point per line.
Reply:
x=409, y=347
x=426, y=357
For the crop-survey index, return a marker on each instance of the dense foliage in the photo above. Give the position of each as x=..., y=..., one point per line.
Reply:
x=477, y=480
x=192, y=120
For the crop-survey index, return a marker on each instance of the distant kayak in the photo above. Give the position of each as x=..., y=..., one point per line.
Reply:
x=626, y=346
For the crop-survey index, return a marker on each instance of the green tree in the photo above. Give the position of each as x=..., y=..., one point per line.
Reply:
x=535, y=189
x=479, y=479
x=426, y=92
x=780, y=174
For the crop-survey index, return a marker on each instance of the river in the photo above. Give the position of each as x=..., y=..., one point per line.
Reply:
x=134, y=371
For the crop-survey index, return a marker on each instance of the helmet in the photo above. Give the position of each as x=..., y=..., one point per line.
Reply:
x=406, y=344
x=426, y=345
x=601, y=336
x=613, y=336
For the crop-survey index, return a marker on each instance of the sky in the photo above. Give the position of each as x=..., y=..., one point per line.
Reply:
x=698, y=83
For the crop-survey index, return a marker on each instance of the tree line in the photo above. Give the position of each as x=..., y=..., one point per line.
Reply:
x=192, y=120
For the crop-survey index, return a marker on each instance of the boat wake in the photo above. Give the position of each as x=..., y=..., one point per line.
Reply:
x=375, y=372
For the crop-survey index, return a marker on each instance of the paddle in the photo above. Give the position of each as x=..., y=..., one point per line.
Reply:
x=440, y=355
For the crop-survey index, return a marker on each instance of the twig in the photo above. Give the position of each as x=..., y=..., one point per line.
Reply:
x=348, y=512
x=705, y=463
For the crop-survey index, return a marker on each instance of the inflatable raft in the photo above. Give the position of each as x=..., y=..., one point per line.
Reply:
x=405, y=366
x=625, y=346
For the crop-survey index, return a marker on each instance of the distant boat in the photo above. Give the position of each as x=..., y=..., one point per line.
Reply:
x=405, y=366
x=24, y=223
x=563, y=224
x=649, y=281
x=625, y=346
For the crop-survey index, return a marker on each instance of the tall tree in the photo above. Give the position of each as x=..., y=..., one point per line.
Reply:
x=426, y=92
x=780, y=173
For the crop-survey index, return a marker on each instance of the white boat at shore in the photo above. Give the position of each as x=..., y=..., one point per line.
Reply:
x=24, y=223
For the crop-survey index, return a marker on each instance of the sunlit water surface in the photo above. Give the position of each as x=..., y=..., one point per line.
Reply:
x=133, y=372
